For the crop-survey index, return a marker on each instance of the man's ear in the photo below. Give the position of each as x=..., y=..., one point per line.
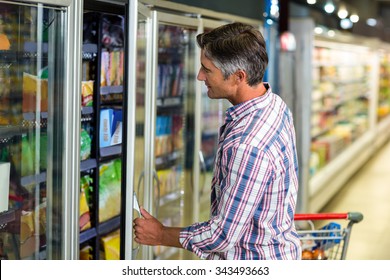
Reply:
x=240, y=75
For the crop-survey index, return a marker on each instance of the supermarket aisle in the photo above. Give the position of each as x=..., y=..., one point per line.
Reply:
x=369, y=193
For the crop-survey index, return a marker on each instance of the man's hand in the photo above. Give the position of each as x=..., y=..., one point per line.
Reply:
x=149, y=231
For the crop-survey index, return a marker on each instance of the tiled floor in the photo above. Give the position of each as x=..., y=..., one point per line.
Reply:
x=369, y=193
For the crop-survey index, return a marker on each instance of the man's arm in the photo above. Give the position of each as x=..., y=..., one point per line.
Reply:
x=149, y=231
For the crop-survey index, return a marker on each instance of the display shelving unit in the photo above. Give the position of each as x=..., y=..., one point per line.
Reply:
x=103, y=72
x=340, y=121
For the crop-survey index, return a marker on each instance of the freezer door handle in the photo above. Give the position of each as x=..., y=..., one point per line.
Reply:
x=136, y=207
x=203, y=172
x=157, y=199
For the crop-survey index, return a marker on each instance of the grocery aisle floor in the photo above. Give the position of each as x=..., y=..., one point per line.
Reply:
x=369, y=193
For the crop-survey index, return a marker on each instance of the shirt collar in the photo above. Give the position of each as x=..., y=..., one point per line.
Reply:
x=245, y=108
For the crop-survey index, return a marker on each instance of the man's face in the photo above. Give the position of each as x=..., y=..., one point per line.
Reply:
x=217, y=86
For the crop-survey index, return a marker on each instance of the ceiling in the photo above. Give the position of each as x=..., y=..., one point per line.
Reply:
x=377, y=9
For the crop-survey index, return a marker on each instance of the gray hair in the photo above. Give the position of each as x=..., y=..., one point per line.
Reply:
x=236, y=46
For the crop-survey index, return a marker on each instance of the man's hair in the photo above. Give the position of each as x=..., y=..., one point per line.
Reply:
x=236, y=46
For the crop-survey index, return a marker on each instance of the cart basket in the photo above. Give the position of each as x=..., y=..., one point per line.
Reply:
x=325, y=236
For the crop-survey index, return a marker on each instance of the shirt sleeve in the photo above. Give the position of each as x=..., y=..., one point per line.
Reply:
x=247, y=173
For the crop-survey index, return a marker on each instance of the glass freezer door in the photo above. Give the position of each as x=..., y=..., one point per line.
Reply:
x=212, y=118
x=174, y=97
x=141, y=151
x=32, y=67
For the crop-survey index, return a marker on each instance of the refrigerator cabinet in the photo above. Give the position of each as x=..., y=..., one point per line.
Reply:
x=38, y=142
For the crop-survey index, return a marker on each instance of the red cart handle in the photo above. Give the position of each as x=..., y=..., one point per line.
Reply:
x=355, y=217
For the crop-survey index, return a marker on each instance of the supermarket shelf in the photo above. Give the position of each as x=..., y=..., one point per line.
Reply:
x=32, y=47
x=7, y=57
x=11, y=131
x=170, y=197
x=7, y=217
x=109, y=226
x=104, y=228
x=169, y=101
x=111, y=89
x=111, y=151
x=90, y=48
x=31, y=116
x=87, y=110
x=88, y=164
x=87, y=235
x=327, y=181
x=33, y=179
x=383, y=132
x=167, y=159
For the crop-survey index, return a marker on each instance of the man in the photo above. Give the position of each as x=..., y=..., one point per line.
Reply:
x=255, y=185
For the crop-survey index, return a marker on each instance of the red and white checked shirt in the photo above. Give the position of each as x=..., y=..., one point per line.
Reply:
x=254, y=188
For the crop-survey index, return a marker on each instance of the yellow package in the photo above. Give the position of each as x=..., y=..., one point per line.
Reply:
x=85, y=219
x=87, y=93
x=111, y=244
x=86, y=253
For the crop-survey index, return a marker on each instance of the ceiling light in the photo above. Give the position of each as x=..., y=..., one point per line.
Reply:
x=371, y=21
x=342, y=13
x=346, y=23
x=354, y=18
x=331, y=33
x=329, y=7
x=318, y=30
x=311, y=2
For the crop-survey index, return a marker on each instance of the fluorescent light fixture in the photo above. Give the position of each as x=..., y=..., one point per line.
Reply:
x=311, y=2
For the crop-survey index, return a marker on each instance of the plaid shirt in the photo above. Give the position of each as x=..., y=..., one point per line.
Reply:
x=254, y=188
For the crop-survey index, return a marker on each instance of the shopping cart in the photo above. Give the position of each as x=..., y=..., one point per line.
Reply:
x=322, y=237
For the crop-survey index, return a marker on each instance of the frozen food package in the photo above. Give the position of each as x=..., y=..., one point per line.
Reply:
x=34, y=89
x=85, y=145
x=111, y=245
x=109, y=190
x=5, y=90
x=86, y=253
x=87, y=93
x=105, y=132
x=112, y=31
x=104, y=70
x=5, y=44
x=85, y=218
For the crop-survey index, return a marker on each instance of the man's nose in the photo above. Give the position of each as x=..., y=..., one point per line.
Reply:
x=200, y=76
